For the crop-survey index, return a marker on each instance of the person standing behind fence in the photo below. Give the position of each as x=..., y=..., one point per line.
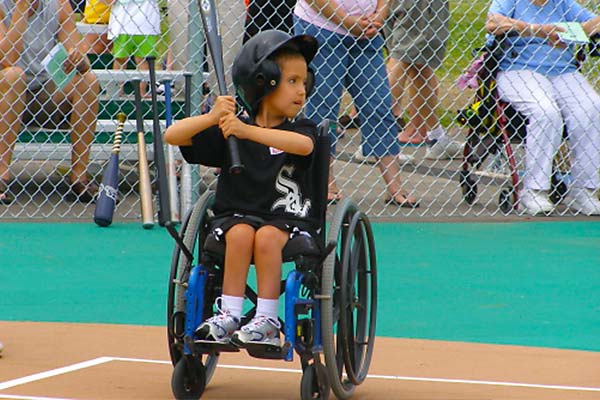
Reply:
x=29, y=30
x=134, y=28
x=350, y=55
x=416, y=33
x=539, y=78
x=262, y=15
x=97, y=12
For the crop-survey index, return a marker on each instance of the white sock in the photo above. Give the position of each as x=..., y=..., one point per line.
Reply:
x=436, y=133
x=268, y=308
x=233, y=305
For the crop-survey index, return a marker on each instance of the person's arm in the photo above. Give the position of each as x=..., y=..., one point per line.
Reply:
x=287, y=141
x=11, y=37
x=70, y=37
x=498, y=24
x=592, y=26
x=332, y=11
x=182, y=132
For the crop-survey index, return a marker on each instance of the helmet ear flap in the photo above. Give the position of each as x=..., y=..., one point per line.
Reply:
x=268, y=76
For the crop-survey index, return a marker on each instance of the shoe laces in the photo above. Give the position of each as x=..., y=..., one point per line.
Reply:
x=259, y=321
x=222, y=314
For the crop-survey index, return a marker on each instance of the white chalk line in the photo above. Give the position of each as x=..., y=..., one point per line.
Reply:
x=24, y=397
x=103, y=360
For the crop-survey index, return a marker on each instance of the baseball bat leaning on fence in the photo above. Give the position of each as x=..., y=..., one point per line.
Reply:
x=145, y=187
x=164, y=206
x=109, y=188
x=171, y=162
x=186, y=170
x=210, y=25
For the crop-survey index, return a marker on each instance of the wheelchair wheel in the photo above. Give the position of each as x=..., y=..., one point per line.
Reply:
x=468, y=186
x=505, y=200
x=189, y=379
x=349, y=305
x=311, y=387
x=192, y=228
x=558, y=188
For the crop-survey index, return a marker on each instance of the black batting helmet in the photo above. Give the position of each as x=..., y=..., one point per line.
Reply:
x=255, y=75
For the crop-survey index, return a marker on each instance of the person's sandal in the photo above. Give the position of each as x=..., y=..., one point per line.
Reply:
x=406, y=203
x=84, y=192
x=348, y=122
x=5, y=196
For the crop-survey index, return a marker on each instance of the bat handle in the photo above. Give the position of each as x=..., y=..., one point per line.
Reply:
x=234, y=152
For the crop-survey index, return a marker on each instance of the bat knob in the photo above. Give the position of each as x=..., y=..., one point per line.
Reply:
x=236, y=169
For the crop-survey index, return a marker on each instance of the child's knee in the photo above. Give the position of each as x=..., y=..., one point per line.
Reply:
x=269, y=239
x=239, y=236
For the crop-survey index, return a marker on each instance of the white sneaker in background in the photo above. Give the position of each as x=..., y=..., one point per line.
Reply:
x=584, y=201
x=444, y=148
x=535, y=202
x=403, y=159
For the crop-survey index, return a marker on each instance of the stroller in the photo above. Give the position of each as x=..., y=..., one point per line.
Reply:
x=495, y=129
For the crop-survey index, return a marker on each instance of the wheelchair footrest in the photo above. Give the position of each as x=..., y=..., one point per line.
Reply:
x=267, y=351
x=209, y=346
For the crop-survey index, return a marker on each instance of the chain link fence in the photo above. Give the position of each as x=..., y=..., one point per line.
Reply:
x=426, y=98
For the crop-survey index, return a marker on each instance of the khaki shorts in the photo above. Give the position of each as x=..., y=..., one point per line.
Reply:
x=44, y=111
x=417, y=31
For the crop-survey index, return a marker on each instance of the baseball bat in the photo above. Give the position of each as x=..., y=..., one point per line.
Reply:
x=164, y=206
x=145, y=188
x=186, y=169
x=109, y=188
x=210, y=24
x=171, y=163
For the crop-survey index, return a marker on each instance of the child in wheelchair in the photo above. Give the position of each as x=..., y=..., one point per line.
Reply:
x=537, y=74
x=258, y=210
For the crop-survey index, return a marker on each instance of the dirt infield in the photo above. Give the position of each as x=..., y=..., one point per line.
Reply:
x=90, y=361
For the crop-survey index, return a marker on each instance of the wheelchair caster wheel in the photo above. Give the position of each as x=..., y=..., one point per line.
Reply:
x=505, y=200
x=468, y=186
x=314, y=384
x=189, y=378
x=558, y=189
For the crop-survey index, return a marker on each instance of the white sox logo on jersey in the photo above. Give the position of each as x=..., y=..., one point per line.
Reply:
x=291, y=201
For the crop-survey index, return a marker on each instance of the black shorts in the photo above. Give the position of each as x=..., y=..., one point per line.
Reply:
x=220, y=225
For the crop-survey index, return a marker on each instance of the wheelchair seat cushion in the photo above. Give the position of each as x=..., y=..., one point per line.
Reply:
x=301, y=243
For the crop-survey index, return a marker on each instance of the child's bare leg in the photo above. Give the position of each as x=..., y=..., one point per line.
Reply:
x=142, y=66
x=238, y=254
x=268, y=245
x=119, y=64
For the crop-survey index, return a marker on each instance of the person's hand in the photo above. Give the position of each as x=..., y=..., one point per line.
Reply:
x=550, y=33
x=230, y=124
x=223, y=105
x=76, y=61
x=363, y=26
x=25, y=7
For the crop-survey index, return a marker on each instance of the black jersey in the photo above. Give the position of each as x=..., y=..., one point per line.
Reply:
x=274, y=184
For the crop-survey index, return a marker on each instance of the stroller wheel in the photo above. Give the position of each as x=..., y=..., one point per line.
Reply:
x=468, y=186
x=505, y=200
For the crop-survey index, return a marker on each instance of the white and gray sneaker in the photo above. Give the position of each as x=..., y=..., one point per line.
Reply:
x=260, y=330
x=444, y=148
x=218, y=328
x=584, y=201
x=535, y=202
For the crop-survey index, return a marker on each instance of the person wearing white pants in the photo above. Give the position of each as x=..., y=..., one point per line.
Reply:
x=539, y=78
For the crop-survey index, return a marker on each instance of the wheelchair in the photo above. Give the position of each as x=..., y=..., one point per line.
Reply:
x=330, y=297
x=494, y=127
